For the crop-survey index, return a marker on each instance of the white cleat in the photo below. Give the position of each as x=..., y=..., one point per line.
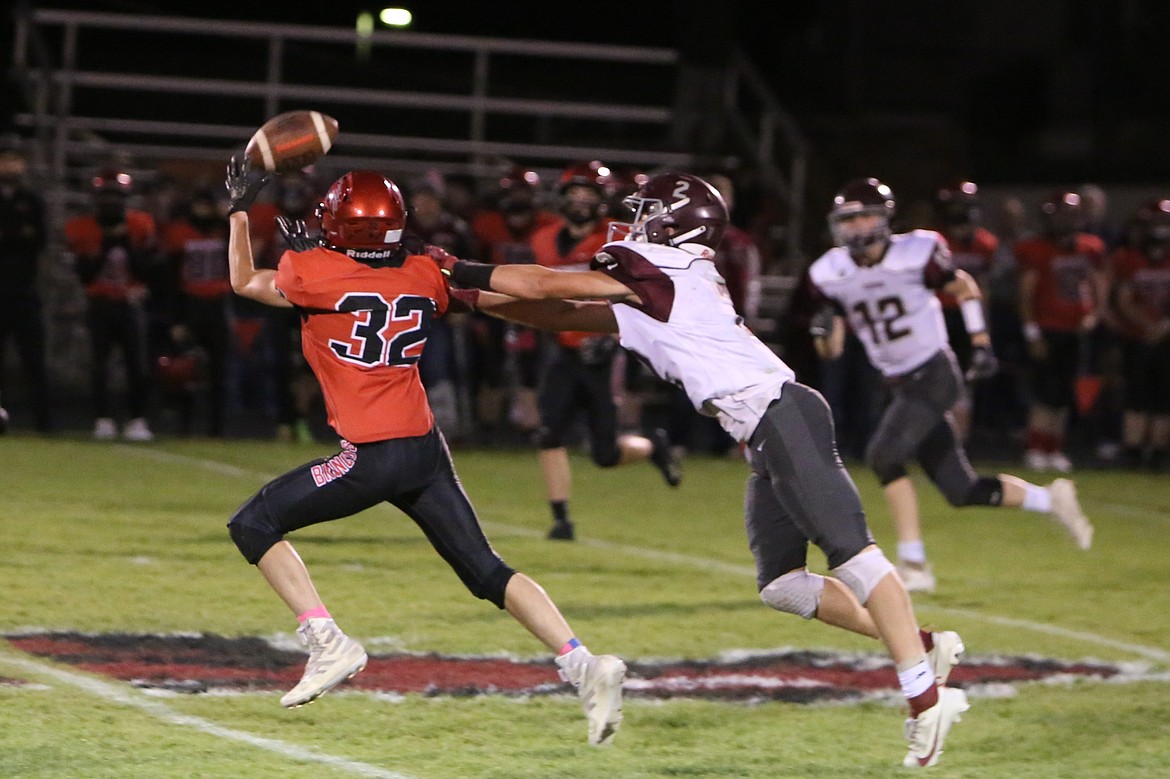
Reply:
x=1036, y=460
x=333, y=658
x=1059, y=462
x=138, y=431
x=104, y=429
x=948, y=650
x=917, y=578
x=1066, y=510
x=927, y=732
x=598, y=679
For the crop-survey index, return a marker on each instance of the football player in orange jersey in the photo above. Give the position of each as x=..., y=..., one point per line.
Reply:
x=367, y=293
x=579, y=376
x=115, y=253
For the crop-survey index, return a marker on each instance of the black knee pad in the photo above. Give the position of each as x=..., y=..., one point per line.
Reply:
x=492, y=587
x=606, y=456
x=252, y=530
x=984, y=491
x=886, y=470
x=544, y=438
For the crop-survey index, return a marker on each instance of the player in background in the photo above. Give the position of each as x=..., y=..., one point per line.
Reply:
x=115, y=255
x=659, y=290
x=887, y=285
x=505, y=358
x=367, y=293
x=1141, y=295
x=580, y=374
x=1063, y=286
x=973, y=249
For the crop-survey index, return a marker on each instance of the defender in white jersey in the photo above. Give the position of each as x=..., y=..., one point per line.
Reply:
x=659, y=290
x=886, y=285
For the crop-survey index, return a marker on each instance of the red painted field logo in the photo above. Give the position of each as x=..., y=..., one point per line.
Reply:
x=201, y=663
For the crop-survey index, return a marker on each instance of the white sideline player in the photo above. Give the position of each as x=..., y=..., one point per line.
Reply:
x=659, y=290
x=887, y=286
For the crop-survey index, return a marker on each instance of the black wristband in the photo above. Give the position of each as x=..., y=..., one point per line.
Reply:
x=473, y=274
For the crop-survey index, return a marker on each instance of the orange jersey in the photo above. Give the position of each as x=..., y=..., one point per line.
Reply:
x=547, y=253
x=363, y=332
x=500, y=245
x=201, y=257
x=1064, y=289
x=1150, y=283
x=975, y=257
x=116, y=280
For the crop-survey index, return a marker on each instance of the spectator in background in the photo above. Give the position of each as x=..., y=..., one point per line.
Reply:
x=973, y=248
x=294, y=389
x=195, y=245
x=1097, y=221
x=22, y=239
x=443, y=363
x=1141, y=295
x=115, y=255
x=1062, y=288
x=578, y=377
x=461, y=196
x=504, y=357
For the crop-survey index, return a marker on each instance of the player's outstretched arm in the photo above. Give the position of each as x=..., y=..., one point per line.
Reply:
x=593, y=316
x=247, y=280
x=533, y=282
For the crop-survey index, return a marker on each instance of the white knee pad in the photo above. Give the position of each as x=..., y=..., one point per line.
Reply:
x=796, y=592
x=862, y=572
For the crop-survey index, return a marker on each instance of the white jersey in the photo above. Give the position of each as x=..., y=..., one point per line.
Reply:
x=892, y=305
x=687, y=330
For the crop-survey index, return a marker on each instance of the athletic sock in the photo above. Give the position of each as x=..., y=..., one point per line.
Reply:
x=1037, y=499
x=569, y=646
x=560, y=510
x=918, y=685
x=320, y=612
x=913, y=552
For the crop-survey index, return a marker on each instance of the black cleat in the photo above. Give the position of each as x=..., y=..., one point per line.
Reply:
x=561, y=531
x=664, y=458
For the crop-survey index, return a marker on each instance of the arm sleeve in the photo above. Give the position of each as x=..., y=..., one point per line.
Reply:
x=939, y=269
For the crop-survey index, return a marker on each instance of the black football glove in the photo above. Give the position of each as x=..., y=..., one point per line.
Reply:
x=984, y=364
x=243, y=184
x=296, y=234
x=821, y=323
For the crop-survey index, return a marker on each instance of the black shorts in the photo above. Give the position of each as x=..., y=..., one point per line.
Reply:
x=1147, y=377
x=416, y=475
x=798, y=490
x=1052, y=378
x=569, y=385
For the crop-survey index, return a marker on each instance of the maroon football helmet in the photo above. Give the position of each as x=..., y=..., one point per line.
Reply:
x=861, y=197
x=676, y=208
x=958, y=203
x=363, y=210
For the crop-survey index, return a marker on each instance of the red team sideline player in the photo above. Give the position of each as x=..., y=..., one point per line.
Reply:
x=367, y=293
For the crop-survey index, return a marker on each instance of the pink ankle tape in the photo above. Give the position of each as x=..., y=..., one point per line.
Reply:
x=320, y=611
x=569, y=646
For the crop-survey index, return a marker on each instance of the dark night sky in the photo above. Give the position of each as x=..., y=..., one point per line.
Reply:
x=1048, y=89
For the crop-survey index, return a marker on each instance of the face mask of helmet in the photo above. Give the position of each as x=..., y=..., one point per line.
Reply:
x=857, y=233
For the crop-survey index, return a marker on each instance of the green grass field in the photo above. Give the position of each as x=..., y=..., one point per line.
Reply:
x=115, y=538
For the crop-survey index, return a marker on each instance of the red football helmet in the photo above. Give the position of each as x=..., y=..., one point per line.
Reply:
x=958, y=204
x=1061, y=214
x=676, y=208
x=864, y=196
x=519, y=177
x=363, y=210
x=112, y=180
x=593, y=173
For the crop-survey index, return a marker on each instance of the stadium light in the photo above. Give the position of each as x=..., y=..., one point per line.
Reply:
x=395, y=17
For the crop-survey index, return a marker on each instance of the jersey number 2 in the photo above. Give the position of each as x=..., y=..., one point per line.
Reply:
x=375, y=339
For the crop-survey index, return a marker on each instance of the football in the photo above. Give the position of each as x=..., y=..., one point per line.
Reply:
x=291, y=140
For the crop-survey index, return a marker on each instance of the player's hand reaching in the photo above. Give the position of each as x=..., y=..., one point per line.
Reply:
x=296, y=234
x=444, y=259
x=466, y=298
x=984, y=364
x=243, y=184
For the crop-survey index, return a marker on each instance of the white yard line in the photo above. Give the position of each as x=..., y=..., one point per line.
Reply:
x=126, y=697
x=719, y=566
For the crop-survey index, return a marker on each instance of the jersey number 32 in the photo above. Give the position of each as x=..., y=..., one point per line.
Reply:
x=384, y=333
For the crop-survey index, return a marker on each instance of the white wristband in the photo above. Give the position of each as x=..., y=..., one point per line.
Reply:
x=1032, y=332
x=972, y=310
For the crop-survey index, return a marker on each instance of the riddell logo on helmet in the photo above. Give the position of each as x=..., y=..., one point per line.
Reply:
x=368, y=254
